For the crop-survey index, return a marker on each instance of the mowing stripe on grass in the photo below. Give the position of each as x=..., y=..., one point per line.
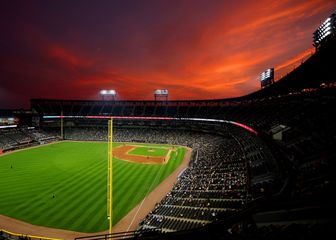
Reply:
x=77, y=173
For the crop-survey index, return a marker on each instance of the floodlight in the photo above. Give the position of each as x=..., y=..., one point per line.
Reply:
x=327, y=20
x=267, y=77
x=324, y=30
x=108, y=94
x=161, y=94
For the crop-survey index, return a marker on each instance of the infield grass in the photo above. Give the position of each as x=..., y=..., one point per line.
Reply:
x=63, y=185
x=150, y=151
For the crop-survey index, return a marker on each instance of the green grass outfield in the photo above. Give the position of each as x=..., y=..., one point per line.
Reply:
x=76, y=173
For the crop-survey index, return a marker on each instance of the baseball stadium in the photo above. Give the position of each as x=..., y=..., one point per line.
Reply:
x=257, y=166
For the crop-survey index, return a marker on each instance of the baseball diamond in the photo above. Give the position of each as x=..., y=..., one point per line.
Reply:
x=63, y=185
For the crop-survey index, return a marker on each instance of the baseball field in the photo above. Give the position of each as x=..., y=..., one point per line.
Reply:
x=63, y=185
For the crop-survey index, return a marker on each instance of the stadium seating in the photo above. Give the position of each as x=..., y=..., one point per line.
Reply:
x=11, y=139
x=216, y=182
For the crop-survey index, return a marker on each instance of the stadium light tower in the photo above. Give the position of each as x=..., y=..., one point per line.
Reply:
x=325, y=30
x=161, y=94
x=267, y=78
x=106, y=94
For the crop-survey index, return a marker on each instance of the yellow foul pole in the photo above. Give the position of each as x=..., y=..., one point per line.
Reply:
x=62, y=131
x=109, y=180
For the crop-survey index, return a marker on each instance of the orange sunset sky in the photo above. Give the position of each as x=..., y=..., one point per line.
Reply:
x=197, y=49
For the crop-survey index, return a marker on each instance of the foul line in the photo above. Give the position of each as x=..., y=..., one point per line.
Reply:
x=129, y=226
